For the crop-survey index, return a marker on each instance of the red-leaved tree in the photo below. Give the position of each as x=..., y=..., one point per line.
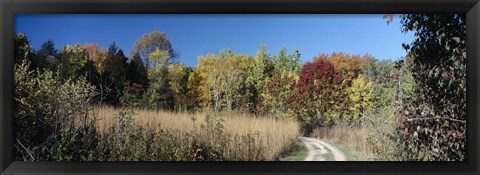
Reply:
x=315, y=93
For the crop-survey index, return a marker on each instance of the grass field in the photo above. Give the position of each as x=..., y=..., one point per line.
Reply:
x=242, y=137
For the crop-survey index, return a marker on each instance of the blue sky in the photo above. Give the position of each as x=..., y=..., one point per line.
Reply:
x=194, y=35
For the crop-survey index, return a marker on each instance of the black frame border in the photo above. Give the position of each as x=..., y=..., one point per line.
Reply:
x=8, y=9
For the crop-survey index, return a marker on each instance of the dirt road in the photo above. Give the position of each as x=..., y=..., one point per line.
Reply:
x=321, y=151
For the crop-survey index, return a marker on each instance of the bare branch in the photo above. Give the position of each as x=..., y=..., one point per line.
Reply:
x=419, y=117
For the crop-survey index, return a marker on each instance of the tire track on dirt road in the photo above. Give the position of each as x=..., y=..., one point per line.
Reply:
x=317, y=150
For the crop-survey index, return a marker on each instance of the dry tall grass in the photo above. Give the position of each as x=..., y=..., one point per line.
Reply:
x=368, y=142
x=355, y=138
x=271, y=137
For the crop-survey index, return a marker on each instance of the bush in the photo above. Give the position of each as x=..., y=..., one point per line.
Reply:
x=52, y=117
x=433, y=124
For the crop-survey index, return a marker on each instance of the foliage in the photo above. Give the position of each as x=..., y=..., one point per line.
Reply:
x=136, y=83
x=349, y=67
x=221, y=81
x=179, y=74
x=361, y=96
x=277, y=90
x=115, y=73
x=72, y=61
x=233, y=80
x=285, y=63
x=150, y=43
x=434, y=123
x=22, y=49
x=136, y=72
x=45, y=56
x=97, y=55
x=197, y=81
x=158, y=94
x=261, y=69
x=315, y=94
x=51, y=116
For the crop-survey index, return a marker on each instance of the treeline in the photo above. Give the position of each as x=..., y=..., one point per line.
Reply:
x=332, y=88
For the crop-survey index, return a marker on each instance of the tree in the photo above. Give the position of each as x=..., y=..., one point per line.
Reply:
x=277, y=90
x=136, y=83
x=256, y=76
x=221, y=81
x=316, y=94
x=72, y=61
x=178, y=75
x=258, y=71
x=159, y=58
x=136, y=72
x=233, y=80
x=225, y=54
x=382, y=73
x=22, y=48
x=216, y=81
x=197, y=81
x=287, y=62
x=51, y=115
x=97, y=55
x=361, y=96
x=116, y=73
x=350, y=67
x=433, y=124
x=112, y=49
x=159, y=95
x=45, y=57
x=149, y=43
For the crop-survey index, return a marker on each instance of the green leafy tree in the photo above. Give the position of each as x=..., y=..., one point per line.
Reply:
x=381, y=73
x=285, y=62
x=256, y=76
x=73, y=60
x=158, y=94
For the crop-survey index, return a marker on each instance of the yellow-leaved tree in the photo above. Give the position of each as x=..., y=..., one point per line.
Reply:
x=201, y=82
x=361, y=97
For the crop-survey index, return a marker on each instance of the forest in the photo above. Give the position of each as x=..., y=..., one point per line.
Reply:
x=82, y=102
